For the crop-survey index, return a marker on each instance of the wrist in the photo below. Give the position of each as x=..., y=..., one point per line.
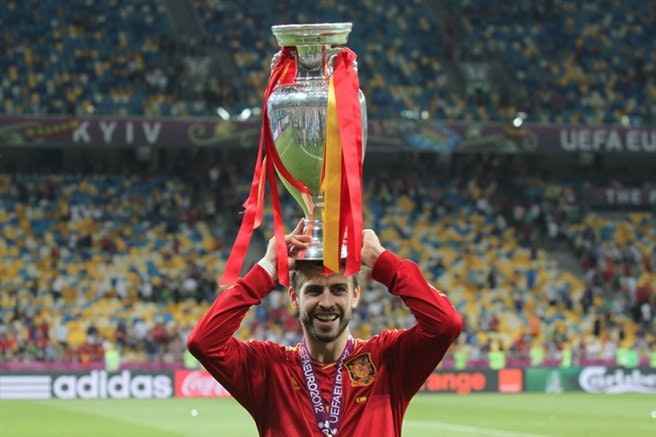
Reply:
x=373, y=256
x=269, y=267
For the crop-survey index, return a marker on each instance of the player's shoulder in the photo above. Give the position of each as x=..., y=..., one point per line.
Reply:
x=274, y=350
x=379, y=340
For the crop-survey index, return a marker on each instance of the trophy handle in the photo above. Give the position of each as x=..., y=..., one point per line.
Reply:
x=275, y=59
x=332, y=53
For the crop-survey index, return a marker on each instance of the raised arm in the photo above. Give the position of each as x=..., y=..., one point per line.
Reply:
x=414, y=352
x=212, y=340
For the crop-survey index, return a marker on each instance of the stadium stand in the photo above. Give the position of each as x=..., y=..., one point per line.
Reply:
x=85, y=57
x=98, y=249
x=125, y=58
x=574, y=62
x=88, y=261
x=392, y=69
x=80, y=271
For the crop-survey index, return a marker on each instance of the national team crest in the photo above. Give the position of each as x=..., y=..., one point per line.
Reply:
x=361, y=370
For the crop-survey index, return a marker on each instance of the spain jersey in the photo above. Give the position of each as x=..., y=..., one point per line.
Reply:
x=379, y=377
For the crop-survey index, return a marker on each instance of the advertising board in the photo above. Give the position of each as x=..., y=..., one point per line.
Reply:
x=96, y=384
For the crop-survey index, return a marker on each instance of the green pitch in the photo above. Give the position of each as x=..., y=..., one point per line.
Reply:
x=572, y=414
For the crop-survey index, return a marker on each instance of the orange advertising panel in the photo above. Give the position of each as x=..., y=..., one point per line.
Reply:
x=460, y=382
x=511, y=381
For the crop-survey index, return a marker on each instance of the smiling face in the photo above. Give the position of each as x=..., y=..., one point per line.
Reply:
x=325, y=303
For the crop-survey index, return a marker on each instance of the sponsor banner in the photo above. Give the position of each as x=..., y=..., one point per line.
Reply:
x=606, y=139
x=481, y=137
x=601, y=379
x=591, y=379
x=551, y=380
x=99, y=384
x=25, y=387
x=383, y=135
x=533, y=138
x=198, y=384
x=462, y=382
x=628, y=197
x=511, y=381
x=168, y=132
x=96, y=384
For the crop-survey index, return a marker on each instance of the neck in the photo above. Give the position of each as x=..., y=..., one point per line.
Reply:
x=327, y=352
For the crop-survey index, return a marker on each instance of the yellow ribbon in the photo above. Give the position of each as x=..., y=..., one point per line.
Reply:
x=331, y=185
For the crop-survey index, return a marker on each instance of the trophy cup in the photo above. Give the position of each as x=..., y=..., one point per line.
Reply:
x=298, y=117
x=313, y=137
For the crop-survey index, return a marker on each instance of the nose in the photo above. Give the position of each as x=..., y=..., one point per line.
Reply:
x=326, y=300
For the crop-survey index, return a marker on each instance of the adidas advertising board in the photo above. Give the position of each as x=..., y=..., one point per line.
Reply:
x=25, y=386
x=97, y=384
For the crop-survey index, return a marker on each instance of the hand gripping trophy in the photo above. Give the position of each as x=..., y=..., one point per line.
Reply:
x=313, y=136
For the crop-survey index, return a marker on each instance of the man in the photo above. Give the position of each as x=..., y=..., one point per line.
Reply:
x=331, y=383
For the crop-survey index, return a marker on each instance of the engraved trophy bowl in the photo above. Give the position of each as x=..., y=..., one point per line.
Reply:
x=297, y=114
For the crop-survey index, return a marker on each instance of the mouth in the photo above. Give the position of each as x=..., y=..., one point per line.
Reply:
x=326, y=319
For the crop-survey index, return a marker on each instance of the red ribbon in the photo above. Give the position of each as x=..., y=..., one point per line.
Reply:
x=267, y=157
x=347, y=93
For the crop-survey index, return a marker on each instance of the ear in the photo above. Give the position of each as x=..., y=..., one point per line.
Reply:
x=293, y=298
x=356, y=297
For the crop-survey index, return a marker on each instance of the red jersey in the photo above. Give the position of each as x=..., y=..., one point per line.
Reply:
x=379, y=377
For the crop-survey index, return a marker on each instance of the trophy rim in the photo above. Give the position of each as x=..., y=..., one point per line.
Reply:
x=312, y=34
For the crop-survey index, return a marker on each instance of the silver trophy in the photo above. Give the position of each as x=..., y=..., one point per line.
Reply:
x=297, y=113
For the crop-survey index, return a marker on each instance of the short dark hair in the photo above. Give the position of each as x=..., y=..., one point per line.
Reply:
x=299, y=274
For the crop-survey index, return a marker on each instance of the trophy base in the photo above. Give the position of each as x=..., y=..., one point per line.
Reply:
x=314, y=252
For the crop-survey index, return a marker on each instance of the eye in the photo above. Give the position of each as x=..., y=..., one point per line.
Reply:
x=313, y=290
x=339, y=288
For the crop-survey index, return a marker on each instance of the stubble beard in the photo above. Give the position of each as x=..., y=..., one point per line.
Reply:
x=325, y=337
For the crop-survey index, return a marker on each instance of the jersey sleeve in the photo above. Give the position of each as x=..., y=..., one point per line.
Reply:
x=414, y=353
x=236, y=364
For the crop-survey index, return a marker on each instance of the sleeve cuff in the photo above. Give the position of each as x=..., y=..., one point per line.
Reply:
x=259, y=280
x=385, y=267
x=269, y=267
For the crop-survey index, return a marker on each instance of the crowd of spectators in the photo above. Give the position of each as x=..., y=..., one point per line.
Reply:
x=86, y=57
x=399, y=70
x=131, y=263
x=89, y=259
x=573, y=62
x=569, y=62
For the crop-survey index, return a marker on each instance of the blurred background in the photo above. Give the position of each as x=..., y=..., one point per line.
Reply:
x=511, y=155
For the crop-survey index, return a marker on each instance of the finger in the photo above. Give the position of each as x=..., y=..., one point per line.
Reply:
x=298, y=230
x=297, y=240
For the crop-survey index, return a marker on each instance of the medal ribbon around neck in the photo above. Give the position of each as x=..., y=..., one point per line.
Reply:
x=327, y=421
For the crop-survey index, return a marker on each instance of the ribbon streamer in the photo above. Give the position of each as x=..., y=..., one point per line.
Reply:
x=347, y=92
x=331, y=184
x=267, y=157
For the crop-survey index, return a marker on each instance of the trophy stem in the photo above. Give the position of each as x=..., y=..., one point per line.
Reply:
x=310, y=61
x=314, y=228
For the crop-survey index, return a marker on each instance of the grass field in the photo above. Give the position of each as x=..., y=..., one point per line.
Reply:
x=572, y=414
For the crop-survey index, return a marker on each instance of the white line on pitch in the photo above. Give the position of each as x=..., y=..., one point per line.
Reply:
x=466, y=429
